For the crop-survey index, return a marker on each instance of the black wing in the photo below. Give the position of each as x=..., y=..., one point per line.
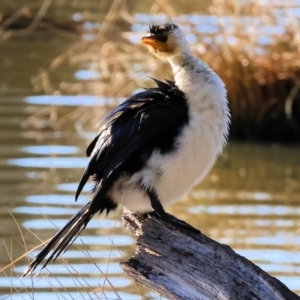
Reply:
x=148, y=120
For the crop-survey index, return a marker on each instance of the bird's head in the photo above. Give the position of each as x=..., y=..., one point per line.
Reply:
x=166, y=40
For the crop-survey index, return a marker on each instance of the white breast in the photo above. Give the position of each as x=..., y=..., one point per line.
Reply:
x=198, y=148
x=173, y=175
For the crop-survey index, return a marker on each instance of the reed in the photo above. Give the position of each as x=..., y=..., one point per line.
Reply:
x=254, y=47
x=256, y=52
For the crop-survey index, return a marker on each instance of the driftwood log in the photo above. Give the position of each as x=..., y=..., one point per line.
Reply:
x=179, y=264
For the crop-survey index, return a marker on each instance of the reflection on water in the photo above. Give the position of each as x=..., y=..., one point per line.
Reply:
x=45, y=162
x=67, y=100
x=250, y=201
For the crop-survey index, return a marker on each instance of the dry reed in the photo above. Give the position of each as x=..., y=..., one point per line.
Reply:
x=254, y=47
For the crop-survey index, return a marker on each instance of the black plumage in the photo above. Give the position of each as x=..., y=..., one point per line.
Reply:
x=148, y=121
x=162, y=28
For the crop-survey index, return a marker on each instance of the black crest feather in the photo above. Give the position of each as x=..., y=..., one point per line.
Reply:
x=162, y=28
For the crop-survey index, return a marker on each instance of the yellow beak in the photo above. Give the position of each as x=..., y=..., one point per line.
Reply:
x=151, y=41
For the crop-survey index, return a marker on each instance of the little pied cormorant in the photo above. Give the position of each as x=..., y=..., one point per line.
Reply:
x=155, y=146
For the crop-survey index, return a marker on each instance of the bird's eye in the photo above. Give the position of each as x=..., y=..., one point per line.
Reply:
x=161, y=37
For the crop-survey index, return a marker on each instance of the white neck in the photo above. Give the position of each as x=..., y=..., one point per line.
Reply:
x=204, y=89
x=190, y=72
x=178, y=62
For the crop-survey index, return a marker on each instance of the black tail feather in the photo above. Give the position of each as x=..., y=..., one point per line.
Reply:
x=62, y=240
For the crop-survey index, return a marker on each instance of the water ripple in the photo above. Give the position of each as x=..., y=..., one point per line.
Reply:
x=85, y=100
x=49, y=162
x=59, y=223
x=88, y=295
x=50, y=150
x=66, y=282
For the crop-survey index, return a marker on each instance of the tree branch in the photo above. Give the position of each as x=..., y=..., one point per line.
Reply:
x=184, y=265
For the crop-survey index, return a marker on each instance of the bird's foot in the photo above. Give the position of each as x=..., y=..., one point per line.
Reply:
x=174, y=221
x=160, y=212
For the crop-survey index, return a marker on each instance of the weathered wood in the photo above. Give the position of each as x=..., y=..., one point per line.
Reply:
x=185, y=265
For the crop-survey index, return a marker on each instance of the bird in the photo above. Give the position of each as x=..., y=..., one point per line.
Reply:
x=154, y=147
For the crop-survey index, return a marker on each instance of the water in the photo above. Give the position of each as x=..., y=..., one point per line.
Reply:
x=250, y=200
